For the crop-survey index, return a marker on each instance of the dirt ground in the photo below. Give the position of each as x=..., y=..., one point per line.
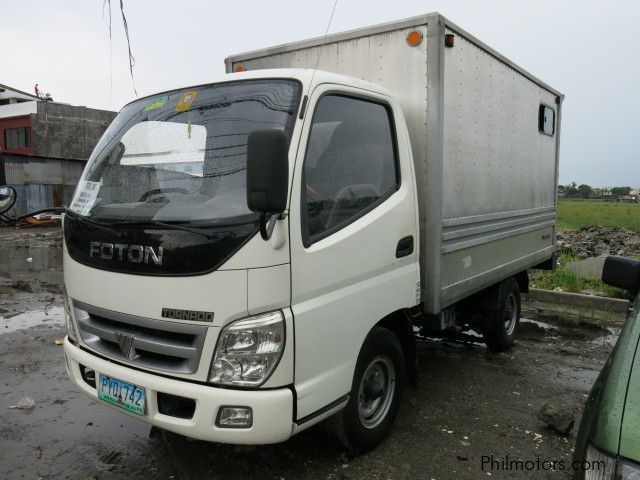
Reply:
x=469, y=404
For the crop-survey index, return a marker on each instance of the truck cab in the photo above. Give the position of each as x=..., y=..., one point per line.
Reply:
x=241, y=259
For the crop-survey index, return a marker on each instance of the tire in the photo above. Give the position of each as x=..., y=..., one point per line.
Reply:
x=501, y=324
x=376, y=394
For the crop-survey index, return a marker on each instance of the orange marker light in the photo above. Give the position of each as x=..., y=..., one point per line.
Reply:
x=414, y=38
x=239, y=68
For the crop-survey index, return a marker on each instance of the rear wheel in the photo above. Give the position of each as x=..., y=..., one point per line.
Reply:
x=376, y=393
x=501, y=324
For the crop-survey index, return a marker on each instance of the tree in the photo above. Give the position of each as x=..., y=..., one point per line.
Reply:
x=572, y=190
x=584, y=191
x=619, y=191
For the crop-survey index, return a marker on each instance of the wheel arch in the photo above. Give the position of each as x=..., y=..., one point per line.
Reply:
x=400, y=324
x=523, y=281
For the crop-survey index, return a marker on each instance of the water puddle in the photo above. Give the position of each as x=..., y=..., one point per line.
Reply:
x=609, y=339
x=53, y=316
x=544, y=326
x=30, y=262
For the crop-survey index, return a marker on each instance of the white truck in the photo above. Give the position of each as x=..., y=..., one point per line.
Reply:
x=247, y=258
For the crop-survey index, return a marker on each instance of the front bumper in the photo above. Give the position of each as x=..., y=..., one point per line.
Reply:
x=272, y=409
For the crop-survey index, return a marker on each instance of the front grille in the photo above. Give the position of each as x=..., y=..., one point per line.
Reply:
x=158, y=344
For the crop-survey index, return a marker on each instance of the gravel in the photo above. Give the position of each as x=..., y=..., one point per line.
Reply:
x=594, y=240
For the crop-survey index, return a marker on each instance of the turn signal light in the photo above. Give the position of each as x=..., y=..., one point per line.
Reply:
x=239, y=68
x=414, y=38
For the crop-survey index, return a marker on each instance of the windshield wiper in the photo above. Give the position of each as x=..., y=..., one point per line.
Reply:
x=107, y=227
x=172, y=226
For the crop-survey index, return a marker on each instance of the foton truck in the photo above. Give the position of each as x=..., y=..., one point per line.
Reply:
x=246, y=258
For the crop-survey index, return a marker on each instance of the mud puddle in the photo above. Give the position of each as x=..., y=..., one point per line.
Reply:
x=31, y=278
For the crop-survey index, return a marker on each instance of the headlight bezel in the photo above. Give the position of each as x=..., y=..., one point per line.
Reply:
x=69, y=320
x=625, y=462
x=615, y=463
x=234, y=330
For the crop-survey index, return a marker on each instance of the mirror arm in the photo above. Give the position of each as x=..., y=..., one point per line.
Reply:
x=268, y=223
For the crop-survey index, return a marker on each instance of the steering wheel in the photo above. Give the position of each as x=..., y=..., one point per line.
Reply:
x=160, y=191
x=312, y=193
x=352, y=194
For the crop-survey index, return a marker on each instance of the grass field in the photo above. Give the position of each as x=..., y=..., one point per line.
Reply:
x=573, y=213
x=570, y=281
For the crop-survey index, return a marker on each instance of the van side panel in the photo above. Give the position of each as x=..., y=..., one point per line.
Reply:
x=499, y=172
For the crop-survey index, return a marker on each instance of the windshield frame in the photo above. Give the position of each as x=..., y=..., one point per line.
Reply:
x=242, y=219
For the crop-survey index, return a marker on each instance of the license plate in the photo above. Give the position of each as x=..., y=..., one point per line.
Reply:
x=121, y=394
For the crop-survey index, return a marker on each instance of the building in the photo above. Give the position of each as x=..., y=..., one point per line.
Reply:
x=44, y=146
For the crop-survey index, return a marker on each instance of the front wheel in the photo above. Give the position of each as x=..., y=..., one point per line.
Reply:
x=501, y=324
x=376, y=392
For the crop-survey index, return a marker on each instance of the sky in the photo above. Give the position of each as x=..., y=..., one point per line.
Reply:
x=587, y=49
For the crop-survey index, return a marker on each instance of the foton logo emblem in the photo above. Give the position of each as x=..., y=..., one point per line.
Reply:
x=125, y=342
x=130, y=253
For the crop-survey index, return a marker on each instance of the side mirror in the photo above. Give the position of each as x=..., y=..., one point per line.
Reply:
x=267, y=176
x=622, y=272
x=8, y=197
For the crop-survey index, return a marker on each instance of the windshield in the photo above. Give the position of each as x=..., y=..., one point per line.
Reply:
x=181, y=156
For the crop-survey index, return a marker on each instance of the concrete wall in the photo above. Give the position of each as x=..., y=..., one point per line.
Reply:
x=66, y=131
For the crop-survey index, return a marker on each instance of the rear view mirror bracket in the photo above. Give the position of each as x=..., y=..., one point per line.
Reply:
x=268, y=223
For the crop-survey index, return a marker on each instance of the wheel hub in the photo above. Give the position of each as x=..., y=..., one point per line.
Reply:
x=510, y=316
x=376, y=391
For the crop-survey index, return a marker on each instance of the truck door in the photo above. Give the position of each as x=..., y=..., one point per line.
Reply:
x=353, y=231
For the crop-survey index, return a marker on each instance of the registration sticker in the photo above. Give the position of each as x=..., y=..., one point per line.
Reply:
x=121, y=394
x=86, y=197
x=185, y=101
x=156, y=103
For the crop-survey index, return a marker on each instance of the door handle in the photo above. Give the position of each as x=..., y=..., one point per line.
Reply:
x=405, y=247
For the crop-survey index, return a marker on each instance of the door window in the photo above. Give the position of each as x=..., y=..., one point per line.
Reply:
x=350, y=165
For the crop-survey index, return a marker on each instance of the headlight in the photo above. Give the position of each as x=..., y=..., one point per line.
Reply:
x=248, y=350
x=72, y=333
x=598, y=465
x=628, y=470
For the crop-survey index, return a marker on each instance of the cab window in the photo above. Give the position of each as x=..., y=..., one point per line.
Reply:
x=350, y=164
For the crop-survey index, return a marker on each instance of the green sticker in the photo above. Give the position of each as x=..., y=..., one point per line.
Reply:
x=157, y=103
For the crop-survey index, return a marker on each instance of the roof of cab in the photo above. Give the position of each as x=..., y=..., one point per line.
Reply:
x=304, y=75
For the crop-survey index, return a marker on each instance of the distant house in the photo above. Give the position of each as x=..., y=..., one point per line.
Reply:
x=605, y=193
x=44, y=146
x=635, y=193
x=627, y=199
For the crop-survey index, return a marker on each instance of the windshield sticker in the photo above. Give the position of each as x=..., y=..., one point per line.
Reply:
x=86, y=197
x=185, y=101
x=156, y=103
